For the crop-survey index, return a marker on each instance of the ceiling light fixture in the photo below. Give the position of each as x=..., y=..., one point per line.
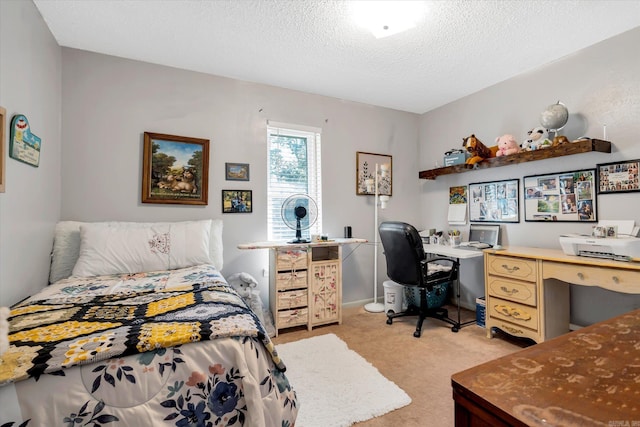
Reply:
x=385, y=18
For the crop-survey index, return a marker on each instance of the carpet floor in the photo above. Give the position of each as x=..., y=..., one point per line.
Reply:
x=422, y=367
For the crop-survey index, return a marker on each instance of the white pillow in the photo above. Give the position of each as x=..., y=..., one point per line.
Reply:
x=132, y=248
x=66, y=246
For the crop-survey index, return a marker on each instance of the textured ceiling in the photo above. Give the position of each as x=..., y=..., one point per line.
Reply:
x=460, y=47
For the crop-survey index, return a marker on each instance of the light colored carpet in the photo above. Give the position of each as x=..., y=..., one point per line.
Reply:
x=335, y=385
x=422, y=367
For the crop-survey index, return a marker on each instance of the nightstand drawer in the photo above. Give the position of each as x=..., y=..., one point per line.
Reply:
x=291, y=280
x=607, y=278
x=291, y=299
x=512, y=290
x=292, y=259
x=518, y=268
x=513, y=312
x=295, y=317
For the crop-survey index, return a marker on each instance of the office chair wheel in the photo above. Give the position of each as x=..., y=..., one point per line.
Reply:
x=416, y=334
x=389, y=321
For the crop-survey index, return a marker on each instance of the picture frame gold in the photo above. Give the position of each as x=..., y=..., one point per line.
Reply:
x=175, y=169
x=3, y=137
x=366, y=169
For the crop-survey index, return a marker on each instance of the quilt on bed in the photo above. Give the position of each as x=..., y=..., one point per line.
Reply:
x=128, y=333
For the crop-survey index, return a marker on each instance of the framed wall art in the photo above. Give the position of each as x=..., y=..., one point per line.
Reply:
x=175, y=169
x=3, y=133
x=237, y=201
x=495, y=201
x=563, y=196
x=618, y=177
x=236, y=171
x=366, y=170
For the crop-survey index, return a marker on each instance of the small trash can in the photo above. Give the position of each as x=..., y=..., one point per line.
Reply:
x=393, y=296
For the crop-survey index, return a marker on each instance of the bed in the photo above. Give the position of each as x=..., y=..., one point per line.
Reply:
x=138, y=327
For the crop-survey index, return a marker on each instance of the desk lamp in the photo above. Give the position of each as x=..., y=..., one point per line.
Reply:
x=382, y=171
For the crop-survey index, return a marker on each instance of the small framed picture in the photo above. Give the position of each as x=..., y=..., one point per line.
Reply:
x=237, y=201
x=618, y=177
x=366, y=166
x=236, y=171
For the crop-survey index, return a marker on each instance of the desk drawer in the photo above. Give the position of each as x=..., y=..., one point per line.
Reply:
x=292, y=259
x=511, y=290
x=513, y=312
x=288, y=318
x=291, y=280
x=291, y=299
x=609, y=278
x=518, y=268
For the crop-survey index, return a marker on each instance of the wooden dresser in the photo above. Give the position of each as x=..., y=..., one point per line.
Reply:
x=305, y=282
x=527, y=289
x=589, y=377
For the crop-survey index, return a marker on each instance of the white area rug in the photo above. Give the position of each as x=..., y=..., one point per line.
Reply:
x=335, y=385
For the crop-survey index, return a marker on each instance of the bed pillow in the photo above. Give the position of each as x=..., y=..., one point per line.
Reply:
x=133, y=248
x=66, y=246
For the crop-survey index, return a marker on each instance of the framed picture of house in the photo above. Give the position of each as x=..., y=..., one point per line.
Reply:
x=175, y=169
x=495, y=201
x=237, y=201
x=563, y=196
x=3, y=133
x=618, y=177
x=366, y=171
x=236, y=171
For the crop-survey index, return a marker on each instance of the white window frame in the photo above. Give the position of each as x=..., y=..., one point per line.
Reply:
x=275, y=197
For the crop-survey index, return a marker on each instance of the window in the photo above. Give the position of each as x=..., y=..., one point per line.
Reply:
x=293, y=168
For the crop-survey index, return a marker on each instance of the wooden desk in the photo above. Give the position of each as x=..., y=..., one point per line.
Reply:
x=305, y=281
x=589, y=377
x=527, y=293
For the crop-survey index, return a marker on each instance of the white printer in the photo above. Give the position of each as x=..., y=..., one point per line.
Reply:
x=618, y=248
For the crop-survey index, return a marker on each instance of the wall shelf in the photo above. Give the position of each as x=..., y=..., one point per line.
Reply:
x=581, y=146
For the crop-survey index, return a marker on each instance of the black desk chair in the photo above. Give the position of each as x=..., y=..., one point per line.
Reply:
x=407, y=265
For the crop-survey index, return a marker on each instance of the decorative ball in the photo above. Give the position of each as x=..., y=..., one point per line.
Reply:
x=555, y=116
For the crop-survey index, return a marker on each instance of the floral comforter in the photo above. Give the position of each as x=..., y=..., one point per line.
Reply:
x=173, y=347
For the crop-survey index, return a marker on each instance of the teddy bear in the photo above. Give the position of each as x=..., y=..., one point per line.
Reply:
x=536, y=139
x=246, y=286
x=507, y=145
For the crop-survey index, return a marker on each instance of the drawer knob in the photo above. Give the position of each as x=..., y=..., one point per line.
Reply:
x=615, y=279
x=580, y=276
x=510, y=269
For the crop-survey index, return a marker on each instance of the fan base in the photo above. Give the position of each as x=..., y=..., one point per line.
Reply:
x=300, y=241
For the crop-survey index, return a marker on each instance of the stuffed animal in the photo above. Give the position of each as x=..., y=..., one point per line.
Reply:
x=478, y=150
x=537, y=138
x=507, y=144
x=559, y=140
x=246, y=286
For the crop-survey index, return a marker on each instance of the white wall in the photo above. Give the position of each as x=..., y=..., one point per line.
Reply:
x=109, y=102
x=600, y=85
x=30, y=84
